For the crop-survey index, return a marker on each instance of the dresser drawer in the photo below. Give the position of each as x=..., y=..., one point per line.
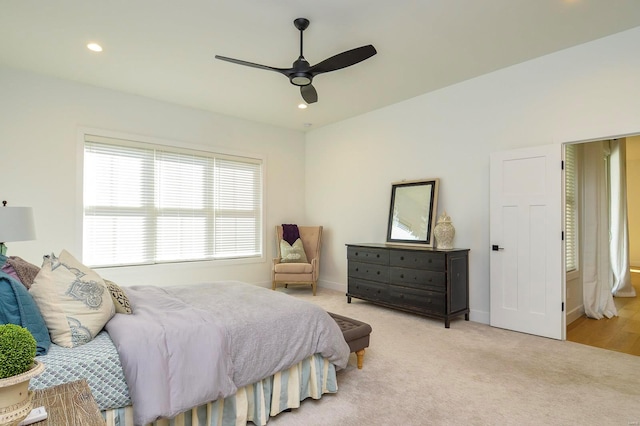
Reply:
x=425, y=301
x=418, y=278
x=369, y=271
x=418, y=260
x=368, y=255
x=367, y=289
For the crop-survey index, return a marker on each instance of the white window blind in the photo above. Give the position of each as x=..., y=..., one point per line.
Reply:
x=147, y=204
x=571, y=208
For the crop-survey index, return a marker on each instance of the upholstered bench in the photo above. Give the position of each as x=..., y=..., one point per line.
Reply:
x=356, y=334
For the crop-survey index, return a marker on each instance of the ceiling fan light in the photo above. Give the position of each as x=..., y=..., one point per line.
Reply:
x=300, y=79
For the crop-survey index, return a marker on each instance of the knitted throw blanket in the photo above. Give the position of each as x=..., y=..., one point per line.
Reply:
x=290, y=233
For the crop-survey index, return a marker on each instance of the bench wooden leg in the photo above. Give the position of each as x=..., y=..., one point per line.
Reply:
x=360, y=356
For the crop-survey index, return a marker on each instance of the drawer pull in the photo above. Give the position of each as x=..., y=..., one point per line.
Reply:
x=357, y=269
x=357, y=253
x=401, y=275
x=377, y=272
x=401, y=257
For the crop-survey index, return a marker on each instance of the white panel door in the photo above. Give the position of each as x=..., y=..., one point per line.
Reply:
x=526, y=237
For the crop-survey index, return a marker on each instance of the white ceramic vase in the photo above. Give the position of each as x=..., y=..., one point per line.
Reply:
x=444, y=232
x=16, y=400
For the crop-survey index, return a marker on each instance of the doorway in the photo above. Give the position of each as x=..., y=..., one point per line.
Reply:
x=622, y=332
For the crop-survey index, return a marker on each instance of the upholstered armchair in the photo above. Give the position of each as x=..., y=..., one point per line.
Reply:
x=292, y=269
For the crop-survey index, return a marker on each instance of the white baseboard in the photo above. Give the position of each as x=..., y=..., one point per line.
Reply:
x=265, y=284
x=479, y=316
x=574, y=314
x=331, y=285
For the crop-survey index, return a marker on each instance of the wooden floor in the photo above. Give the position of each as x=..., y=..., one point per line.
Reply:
x=621, y=333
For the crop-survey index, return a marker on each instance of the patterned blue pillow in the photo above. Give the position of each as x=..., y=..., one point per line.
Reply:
x=18, y=307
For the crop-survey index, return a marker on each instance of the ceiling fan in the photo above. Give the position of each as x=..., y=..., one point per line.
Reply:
x=301, y=72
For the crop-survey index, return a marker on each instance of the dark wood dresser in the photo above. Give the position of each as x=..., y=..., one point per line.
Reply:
x=423, y=280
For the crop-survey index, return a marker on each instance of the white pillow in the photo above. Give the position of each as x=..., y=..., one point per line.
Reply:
x=73, y=299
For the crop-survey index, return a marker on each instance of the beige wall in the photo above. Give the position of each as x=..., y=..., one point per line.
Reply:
x=633, y=198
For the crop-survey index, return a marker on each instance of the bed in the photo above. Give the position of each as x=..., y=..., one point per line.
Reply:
x=219, y=353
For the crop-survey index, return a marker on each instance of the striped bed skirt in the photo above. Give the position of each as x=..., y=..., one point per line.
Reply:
x=312, y=377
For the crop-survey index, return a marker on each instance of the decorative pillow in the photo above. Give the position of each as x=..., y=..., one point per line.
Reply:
x=25, y=271
x=292, y=253
x=73, y=299
x=18, y=307
x=119, y=297
x=6, y=268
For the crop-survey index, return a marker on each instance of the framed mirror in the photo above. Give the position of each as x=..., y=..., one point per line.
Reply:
x=412, y=215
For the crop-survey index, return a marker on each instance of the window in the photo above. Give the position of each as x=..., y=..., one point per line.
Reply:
x=148, y=204
x=571, y=208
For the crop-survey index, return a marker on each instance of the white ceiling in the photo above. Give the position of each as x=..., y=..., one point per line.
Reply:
x=165, y=49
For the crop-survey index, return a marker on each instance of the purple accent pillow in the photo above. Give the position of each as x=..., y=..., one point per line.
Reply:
x=8, y=269
x=25, y=271
x=290, y=233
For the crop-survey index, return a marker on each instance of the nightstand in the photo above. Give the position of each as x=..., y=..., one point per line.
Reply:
x=70, y=404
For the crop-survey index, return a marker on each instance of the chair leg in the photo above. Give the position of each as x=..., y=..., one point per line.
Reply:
x=313, y=288
x=273, y=285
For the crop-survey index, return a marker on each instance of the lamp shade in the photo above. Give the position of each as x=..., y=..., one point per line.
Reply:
x=16, y=224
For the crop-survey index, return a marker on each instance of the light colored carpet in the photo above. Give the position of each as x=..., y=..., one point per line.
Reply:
x=416, y=372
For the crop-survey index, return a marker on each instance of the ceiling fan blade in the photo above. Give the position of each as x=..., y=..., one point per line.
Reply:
x=309, y=93
x=344, y=59
x=285, y=71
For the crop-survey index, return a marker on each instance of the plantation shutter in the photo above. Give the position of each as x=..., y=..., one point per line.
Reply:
x=239, y=197
x=150, y=204
x=570, y=210
x=185, y=206
x=118, y=205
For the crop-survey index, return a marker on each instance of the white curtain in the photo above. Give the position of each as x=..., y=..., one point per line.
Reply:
x=619, y=224
x=596, y=273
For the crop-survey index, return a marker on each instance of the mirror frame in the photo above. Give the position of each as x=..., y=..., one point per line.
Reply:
x=431, y=188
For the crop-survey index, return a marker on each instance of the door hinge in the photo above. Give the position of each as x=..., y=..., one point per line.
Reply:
x=562, y=235
x=562, y=165
x=562, y=306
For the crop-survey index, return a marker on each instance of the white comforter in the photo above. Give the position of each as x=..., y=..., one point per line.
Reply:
x=186, y=345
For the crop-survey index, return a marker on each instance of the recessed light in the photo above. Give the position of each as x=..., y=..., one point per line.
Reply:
x=307, y=124
x=302, y=106
x=95, y=47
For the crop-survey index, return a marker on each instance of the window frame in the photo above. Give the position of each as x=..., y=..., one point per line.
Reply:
x=175, y=146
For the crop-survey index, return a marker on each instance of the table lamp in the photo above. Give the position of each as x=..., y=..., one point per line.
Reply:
x=16, y=224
